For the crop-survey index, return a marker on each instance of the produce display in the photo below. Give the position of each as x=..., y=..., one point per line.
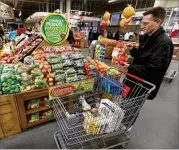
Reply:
x=121, y=54
x=99, y=52
x=26, y=44
x=9, y=81
x=99, y=66
x=44, y=67
x=103, y=41
x=78, y=35
x=30, y=77
x=37, y=103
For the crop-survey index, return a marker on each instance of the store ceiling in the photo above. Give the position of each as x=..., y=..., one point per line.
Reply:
x=28, y=7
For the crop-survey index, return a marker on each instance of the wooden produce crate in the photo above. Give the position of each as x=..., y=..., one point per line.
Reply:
x=79, y=43
x=26, y=96
x=108, y=51
x=9, y=116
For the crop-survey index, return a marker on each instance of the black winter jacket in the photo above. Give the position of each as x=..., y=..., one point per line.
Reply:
x=152, y=58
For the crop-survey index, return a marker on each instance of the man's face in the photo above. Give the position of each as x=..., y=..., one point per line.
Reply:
x=149, y=24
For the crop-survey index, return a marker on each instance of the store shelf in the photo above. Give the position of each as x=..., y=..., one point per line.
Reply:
x=28, y=95
x=39, y=122
x=38, y=109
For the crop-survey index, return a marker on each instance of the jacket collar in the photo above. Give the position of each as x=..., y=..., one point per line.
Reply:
x=157, y=33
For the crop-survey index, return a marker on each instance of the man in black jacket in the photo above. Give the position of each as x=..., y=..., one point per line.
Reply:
x=153, y=57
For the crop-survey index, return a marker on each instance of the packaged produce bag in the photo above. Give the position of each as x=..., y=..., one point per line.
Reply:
x=113, y=114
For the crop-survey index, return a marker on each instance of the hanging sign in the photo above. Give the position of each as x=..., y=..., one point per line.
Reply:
x=54, y=29
x=6, y=12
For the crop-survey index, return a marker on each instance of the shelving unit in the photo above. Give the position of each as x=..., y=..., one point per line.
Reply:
x=21, y=98
x=38, y=109
x=39, y=122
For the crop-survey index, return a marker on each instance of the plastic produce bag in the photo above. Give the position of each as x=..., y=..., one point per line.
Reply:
x=34, y=104
x=70, y=71
x=34, y=117
x=37, y=73
x=32, y=67
x=76, y=56
x=60, y=78
x=80, y=71
x=59, y=71
x=29, y=60
x=78, y=63
x=57, y=66
x=67, y=63
x=54, y=60
x=39, y=83
x=47, y=102
x=71, y=78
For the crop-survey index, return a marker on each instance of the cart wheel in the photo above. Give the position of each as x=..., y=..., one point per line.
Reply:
x=123, y=146
x=170, y=80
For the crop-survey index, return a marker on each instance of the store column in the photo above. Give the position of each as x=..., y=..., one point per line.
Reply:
x=68, y=6
x=61, y=5
x=47, y=5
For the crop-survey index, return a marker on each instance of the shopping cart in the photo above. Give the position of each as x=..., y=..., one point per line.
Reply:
x=117, y=107
x=170, y=74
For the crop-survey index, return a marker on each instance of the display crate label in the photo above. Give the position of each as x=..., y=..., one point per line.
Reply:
x=54, y=29
x=70, y=89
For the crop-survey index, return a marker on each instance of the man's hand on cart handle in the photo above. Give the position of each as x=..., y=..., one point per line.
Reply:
x=126, y=65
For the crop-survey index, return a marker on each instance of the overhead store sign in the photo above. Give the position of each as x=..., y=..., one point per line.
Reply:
x=6, y=12
x=54, y=29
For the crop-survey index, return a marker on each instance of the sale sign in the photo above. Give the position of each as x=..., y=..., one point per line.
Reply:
x=79, y=87
x=55, y=29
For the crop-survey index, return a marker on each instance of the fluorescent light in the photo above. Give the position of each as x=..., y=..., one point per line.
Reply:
x=110, y=1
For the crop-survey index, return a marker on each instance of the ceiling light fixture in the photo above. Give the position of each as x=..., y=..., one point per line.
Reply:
x=111, y=1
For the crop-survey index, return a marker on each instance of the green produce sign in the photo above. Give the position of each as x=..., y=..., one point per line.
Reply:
x=55, y=29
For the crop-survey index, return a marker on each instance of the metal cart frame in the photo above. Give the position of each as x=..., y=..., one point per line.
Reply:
x=85, y=130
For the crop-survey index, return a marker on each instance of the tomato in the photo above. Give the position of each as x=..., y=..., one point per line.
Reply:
x=41, y=66
x=122, y=58
x=46, y=66
x=45, y=63
x=44, y=70
x=126, y=59
x=121, y=62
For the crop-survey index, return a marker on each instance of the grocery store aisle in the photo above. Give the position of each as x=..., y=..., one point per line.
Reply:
x=158, y=122
x=156, y=127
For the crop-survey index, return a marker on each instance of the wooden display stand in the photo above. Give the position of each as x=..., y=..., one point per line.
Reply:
x=9, y=116
x=80, y=43
x=108, y=51
x=25, y=96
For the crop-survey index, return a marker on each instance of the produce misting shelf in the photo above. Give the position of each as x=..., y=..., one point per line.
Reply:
x=38, y=109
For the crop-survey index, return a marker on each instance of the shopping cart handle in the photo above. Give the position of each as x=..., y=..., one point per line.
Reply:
x=132, y=76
